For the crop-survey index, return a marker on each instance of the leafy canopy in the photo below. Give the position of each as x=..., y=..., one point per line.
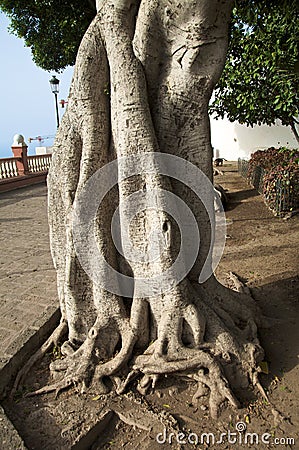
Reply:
x=260, y=81
x=52, y=29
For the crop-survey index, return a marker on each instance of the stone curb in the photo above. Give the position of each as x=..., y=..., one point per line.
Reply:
x=9, y=437
x=26, y=344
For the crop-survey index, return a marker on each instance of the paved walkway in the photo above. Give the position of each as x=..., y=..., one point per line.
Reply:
x=27, y=277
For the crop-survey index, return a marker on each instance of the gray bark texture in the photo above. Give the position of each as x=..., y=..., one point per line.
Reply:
x=144, y=75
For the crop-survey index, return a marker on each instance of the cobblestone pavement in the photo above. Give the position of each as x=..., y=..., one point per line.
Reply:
x=27, y=277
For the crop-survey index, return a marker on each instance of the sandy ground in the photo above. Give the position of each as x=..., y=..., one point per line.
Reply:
x=263, y=251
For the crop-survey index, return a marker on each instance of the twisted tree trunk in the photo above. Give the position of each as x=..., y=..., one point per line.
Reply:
x=144, y=75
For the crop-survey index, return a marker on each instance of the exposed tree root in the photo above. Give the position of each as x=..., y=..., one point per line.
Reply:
x=239, y=286
x=207, y=372
x=278, y=417
x=225, y=356
x=54, y=339
x=131, y=421
x=81, y=365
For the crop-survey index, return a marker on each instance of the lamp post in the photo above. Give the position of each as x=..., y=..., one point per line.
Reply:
x=54, y=83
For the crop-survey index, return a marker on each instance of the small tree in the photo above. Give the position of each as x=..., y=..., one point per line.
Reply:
x=139, y=98
x=260, y=81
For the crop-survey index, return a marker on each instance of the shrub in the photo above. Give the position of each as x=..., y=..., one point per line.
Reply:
x=281, y=177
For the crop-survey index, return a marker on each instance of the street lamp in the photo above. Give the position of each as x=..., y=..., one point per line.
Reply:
x=54, y=83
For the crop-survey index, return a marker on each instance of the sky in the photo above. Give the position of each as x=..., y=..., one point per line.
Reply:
x=27, y=105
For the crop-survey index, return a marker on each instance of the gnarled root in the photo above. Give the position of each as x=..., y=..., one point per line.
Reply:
x=205, y=370
x=209, y=338
x=83, y=365
x=53, y=340
x=226, y=357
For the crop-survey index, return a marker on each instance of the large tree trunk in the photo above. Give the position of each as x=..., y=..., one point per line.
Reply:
x=143, y=79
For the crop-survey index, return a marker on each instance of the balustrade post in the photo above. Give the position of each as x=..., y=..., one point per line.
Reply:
x=19, y=149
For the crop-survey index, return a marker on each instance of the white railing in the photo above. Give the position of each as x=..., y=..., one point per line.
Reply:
x=39, y=163
x=8, y=168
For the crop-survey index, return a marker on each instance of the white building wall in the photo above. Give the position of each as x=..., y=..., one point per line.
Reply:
x=42, y=150
x=231, y=140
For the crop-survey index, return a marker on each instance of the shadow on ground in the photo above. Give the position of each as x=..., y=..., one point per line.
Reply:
x=19, y=195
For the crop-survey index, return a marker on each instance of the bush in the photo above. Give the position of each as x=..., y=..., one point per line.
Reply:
x=280, y=184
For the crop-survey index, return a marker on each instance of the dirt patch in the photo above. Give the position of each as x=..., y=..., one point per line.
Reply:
x=263, y=251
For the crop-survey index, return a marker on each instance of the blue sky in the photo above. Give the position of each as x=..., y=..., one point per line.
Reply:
x=27, y=104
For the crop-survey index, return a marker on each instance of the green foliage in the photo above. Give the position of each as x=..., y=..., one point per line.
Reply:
x=52, y=29
x=260, y=82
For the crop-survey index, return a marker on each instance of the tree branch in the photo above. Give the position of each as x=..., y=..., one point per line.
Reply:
x=293, y=128
x=92, y=4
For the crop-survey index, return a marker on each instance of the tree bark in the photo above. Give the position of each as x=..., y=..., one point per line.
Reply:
x=294, y=130
x=158, y=61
